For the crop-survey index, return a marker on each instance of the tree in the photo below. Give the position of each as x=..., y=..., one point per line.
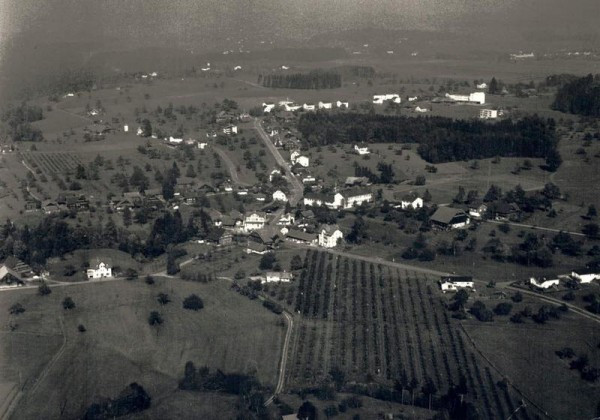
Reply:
x=127, y=216
x=460, y=196
x=172, y=266
x=307, y=411
x=68, y=303
x=296, y=263
x=551, y=191
x=16, y=309
x=553, y=160
x=44, y=289
x=494, y=193
x=358, y=231
x=193, y=302
x=503, y=308
x=460, y=298
x=149, y=280
x=592, y=212
x=420, y=180
x=267, y=261
x=146, y=128
x=131, y=273
x=155, y=319
x=493, y=88
x=429, y=389
x=163, y=298
x=591, y=230
x=81, y=328
x=427, y=196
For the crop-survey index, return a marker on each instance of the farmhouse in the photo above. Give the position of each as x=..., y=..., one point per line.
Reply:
x=453, y=283
x=175, y=140
x=230, y=129
x=586, y=275
x=361, y=149
x=477, y=209
x=254, y=221
x=412, y=98
x=220, y=237
x=50, y=207
x=100, y=270
x=268, y=107
x=380, y=99
x=505, y=211
x=325, y=105
x=286, y=219
x=488, y=114
x=309, y=107
x=309, y=179
x=476, y=97
x=298, y=159
x=9, y=277
x=260, y=197
x=342, y=104
x=318, y=199
x=446, y=218
x=354, y=197
x=411, y=200
x=291, y=107
x=543, y=283
x=329, y=236
x=282, y=276
x=280, y=196
x=300, y=237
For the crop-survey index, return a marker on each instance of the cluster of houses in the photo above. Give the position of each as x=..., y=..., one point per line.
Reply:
x=581, y=275
x=340, y=200
x=291, y=106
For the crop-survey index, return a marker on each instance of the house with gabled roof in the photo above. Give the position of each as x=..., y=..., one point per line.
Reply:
x=255, y=221
x=9, y=277
x=330, y=236
x=99, y=270
x=411, y=200
x=301, y=237
x=446, y=218
x=454, y=283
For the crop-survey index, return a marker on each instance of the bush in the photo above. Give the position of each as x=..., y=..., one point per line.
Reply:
x=517, y=318
x=81, y=328
x=503, y=308
x=565, y=353
x=68, y=303
x=517, y=297
x=149, y=280
x=267, y=261
x=273, y=307
x=16, y=309
x=44, y=289
x=163, y=298
x=131, y=274
x=193, y=302
x=155, y=318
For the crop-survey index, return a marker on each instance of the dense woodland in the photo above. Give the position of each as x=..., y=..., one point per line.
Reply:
x=16, y=122
x=579, y=96
x=316, y=79
x=440, y=139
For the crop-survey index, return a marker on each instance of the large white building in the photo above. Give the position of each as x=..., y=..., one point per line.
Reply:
x=476, y=97
x=361, y=149
x=544, y=283
x=454, y=283
x=101, y=270
x=346, y=199
x=325, y=105
x=329, y=236
x=380, y=99
x=280, y=196
x=297, y=158
x=254, y=221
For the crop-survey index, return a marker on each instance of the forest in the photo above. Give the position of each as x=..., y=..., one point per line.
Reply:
x=16, y=122
x=440, y=139
x=316, y=79
x=579, y=96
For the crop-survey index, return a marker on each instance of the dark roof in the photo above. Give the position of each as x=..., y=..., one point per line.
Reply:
x=456, y=278
x=326, y=198
x=411, y=196
x=446, y=215
x=301, y=236
x=255, y=246
x=308, y=214
x=329, y=229
x=356, y=191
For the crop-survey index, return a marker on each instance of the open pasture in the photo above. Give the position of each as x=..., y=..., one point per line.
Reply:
x=231, y=333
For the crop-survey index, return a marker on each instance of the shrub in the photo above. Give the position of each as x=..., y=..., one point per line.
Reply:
x=16, y=309
x=503, y=308
x=517, y=297
x=155, y=318
x=81, y=328
x=149, y=280
x=68, y=303
x=565, y=353
x=193, y=302
x=44, y=289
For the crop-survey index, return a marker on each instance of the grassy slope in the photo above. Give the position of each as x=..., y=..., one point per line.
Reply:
x=231, y=333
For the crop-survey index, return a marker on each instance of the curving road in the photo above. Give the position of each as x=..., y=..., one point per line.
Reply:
x=284, y=356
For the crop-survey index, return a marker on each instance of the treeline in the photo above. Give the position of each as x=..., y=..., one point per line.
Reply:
x=133, y=399
x=580, y=96
x=440, y=139
x=16, y=122
x=316, y=79
x=201, y=379
x=364, y=72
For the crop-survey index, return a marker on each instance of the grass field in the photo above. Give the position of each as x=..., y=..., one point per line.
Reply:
x=231, y=333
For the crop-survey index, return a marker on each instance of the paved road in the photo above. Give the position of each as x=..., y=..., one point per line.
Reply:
x=284, y=356
x=536, y=227
x=231, y=166
x=297, y=189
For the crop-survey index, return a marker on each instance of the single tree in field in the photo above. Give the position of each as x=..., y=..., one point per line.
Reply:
x=193, y=302
x=155, y=319
x=16, y=309
x=460, y=196
x=172, y=266
x=149, y=280
x=163, y=298
x=44, y=289
x=307, y=411
x=68, y=303
x=592, y=212
x=493, y=87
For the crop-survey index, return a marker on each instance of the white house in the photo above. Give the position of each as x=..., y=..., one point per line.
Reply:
x=411, y=200
x=273, y=173
x=325, y=105
x=342, y=104
x=230, y=129
x=175, y=140
x=380, y=99
x=476, y=97
x=101, y=270
x=454, y=283
x=412, y=98
x=202, y=145
x=280, y=196
x=481, y=85
x=309, y=179
x=477, y=209
x=488, y=114
x=329, y=236
x=544, y=283
x=297, y=158
x=139, y=131
x=286, y=219
x=354, y=197
x=278, y=276
x=254, y=221
x=290, y=106
x=361, y=149
x=586, y=275
x=309, y=107
x=268, y=107
x=126, y=128
x=421, y=110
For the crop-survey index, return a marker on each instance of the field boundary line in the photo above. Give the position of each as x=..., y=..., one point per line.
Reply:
x=513, y=386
